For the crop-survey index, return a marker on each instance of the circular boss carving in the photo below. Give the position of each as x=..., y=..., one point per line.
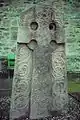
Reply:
x=34, y=25
x=32, y=44
x=52, y=26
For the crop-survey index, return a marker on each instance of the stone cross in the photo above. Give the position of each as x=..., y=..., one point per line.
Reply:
x=39, y=86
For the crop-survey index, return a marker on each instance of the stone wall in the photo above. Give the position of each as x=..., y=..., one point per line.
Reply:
x=9, y=21
x=72, y=20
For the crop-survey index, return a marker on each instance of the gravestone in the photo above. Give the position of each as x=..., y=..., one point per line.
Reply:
x=40, y=86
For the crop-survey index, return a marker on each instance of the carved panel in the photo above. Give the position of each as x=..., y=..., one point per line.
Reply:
x=59, y=89
x=41, y=94
x=21, y=82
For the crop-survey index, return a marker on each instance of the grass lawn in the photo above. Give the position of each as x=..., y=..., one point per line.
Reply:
x=73, y=86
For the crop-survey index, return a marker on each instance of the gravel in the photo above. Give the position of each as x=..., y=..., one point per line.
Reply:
x=72, y=114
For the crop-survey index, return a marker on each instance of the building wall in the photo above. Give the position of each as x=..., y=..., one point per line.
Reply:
x=10, y=12
x=72, y=32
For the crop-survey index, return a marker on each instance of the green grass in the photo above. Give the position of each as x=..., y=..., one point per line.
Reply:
x=73, y=86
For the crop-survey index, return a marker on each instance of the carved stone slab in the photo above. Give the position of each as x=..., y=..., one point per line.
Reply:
x=39, y=84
